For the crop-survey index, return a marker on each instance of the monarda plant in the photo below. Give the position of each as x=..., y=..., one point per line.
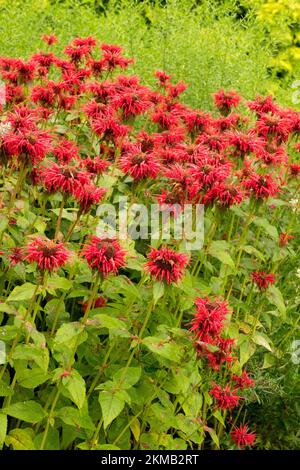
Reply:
x=114, y=343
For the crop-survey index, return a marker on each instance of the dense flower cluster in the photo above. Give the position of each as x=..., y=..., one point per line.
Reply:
x=92, y=133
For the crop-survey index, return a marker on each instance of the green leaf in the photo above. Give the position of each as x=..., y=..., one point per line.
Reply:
x=253, y=251
x=164, y=347
x=3, y=429
x=75, y=385
x=261, y=340
x=105, y=321
x=218, y=250
x=56, y=282
x=111, y=404
x=214, y=436
x=135, y=428
x=24, y=292
x=218, y=415
x=33, y=353
x=131, y=377
x=20, y=439
x=31, y=378
x=158, y=291
x=267, y=227
x=29, y=411
x=7, y=309
x=269, y=361
x=247, y=350
x=76, y=418
x=68, y=334
x=5, y=390
x=275, y=297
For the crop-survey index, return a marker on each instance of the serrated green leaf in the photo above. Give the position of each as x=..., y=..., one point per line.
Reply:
x=158, y=291
x=129, y=379
x=164, y=347
x=33, y=353
x=24, y=292
x=75, y=417
x=3, y=428
x=29, y=411
x=261, y=340
x=20, y=439
x=75, y=385
x=112, y=405
x=218, y=250
x=275, y=297
x=269, y=229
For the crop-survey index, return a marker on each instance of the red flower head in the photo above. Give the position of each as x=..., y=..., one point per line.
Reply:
x=49, y=39
x=64, y=178
x=88, y=195
x=226, y=398
x=284, y=238
x=217, y=358
x=109, y=128
x=112, y=57
x=43, y=94
x=210, y=170
x=30, y=145
x=47, y=254
x=166, y=265
x=225, y=101
x=162, y=78
x=77, y=52
x=139, y=165
x=224, y=194
x=243, y=381
x=263, y=105
x=263, y=186
x=132, y=102
x=242, y=437
x=262, y=279
x=22, y=119
x=16, y=256
x=197, y=121
x=209, y=319
x=104, y=255
x=242, y=143
x=96, y=165
x=294, y=170
x=65, y=151
x=274, y=126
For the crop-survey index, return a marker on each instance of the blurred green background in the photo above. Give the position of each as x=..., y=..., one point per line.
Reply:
x=251, y=46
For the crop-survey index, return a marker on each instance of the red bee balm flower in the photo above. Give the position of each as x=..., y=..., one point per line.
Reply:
x=263, y=186
x=262, y=279
x=226, y=100
x=88, y=195
x=166, y=265
x=284, y=238
x=104, y=254
x=242, y=437
x=243, y=381
x=47, y=254
x=225, y=398
x=209, y=318
x=140, y=165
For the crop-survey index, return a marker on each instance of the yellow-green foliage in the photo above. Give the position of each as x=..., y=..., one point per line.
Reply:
x=282, y=20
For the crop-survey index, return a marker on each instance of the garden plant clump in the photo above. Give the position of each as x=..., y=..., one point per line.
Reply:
x=138, y=343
